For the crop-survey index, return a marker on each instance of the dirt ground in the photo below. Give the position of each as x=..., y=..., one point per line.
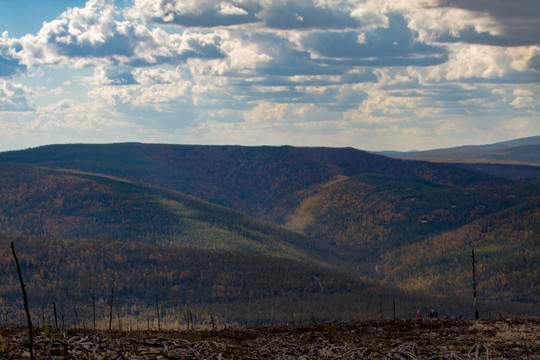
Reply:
x=391, y=339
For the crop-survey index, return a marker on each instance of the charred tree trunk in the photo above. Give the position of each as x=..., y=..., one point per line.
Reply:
x=55, y=313
x=157, y=312
x=476, y=316
x=54, y=310
x=93, y=297
x=111, y=305
x=93, y=308
x=76, y=316
x=25, y=299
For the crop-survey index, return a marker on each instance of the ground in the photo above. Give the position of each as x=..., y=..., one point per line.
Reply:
x=390, y=339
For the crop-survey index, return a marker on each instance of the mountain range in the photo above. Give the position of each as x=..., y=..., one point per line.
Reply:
x=270, y=234
x=517, y=159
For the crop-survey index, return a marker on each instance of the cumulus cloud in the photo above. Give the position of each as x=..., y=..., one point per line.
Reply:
x=9, y=62
x=86, y=36
x=276, y=69
x=514, y=23
x=393, y=45
x=156, y=96
x=196, y=13
x=13, y=97
x=308, y=14
x=113, y=75
x=281, y=14
x=485, y=63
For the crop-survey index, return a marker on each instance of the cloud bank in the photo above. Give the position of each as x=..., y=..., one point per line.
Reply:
x=371, y=74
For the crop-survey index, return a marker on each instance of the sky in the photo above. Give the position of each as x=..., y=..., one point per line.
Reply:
x=369, y=74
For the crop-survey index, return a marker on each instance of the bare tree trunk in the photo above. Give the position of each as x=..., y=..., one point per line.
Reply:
x=111, y=305
x=157, y=311
x=43, y=321
x=476, y=316
x=119, y=316
x=94, y=310
x=54, y=309
x=76, y=316
x=92, y=296
x=25, y=299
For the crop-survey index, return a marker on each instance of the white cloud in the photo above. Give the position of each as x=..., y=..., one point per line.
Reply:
x=93, y=36
x=9, y=61
x=229, y=9
x=195, y=13
x=525, y=98
x=322, y=72
x=13, y=97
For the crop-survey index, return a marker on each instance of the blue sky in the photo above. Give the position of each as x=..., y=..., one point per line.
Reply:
x=371, y=74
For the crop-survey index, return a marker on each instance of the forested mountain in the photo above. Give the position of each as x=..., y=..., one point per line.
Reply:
x=516, y=159
x=520, y=151
x=507, y=247
x=67, y=204
x=371, y=215
x=408, y=224
x=186, y=285
x=260, y=181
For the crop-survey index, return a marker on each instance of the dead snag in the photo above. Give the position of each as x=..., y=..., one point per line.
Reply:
x=92, y=296
x=476, y=316
x=25, y=299
x=54, y=309
x=111, y=305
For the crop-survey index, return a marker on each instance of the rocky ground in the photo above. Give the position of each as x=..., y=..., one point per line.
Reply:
x=397, y=339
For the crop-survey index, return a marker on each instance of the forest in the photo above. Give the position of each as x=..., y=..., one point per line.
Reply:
x=176, y=235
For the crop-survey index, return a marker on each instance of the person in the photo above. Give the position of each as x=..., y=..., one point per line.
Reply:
x=432, y=314
x=418, y=314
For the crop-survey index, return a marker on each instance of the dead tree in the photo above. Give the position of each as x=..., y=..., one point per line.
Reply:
x=157, y=311
x=111, y=305
x=92, y=296
x=77, y=323
x=54, y=309
x=25, y=299
x=476, y=316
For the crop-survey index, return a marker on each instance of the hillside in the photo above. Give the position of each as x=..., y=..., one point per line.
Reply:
x=260, y=181
x=189, y=286
x=516, y=159
x=344, y=209
x=67, y=204
x=373, y=215
x=507, y=247
x=523, y=151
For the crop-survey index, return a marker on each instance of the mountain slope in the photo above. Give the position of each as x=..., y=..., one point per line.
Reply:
x=260, y=181
x=204, y=287
x=355, y=210
x=372, y=215
x=524, y=151
x=36, y=201
x=507, y=247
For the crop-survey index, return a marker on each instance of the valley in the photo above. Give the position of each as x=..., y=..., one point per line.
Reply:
x=258, y=235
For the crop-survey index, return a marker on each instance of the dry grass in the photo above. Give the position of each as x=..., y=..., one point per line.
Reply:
x=402, y=339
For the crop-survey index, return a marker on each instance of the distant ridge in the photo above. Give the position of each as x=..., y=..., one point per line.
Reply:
x=524, y=151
